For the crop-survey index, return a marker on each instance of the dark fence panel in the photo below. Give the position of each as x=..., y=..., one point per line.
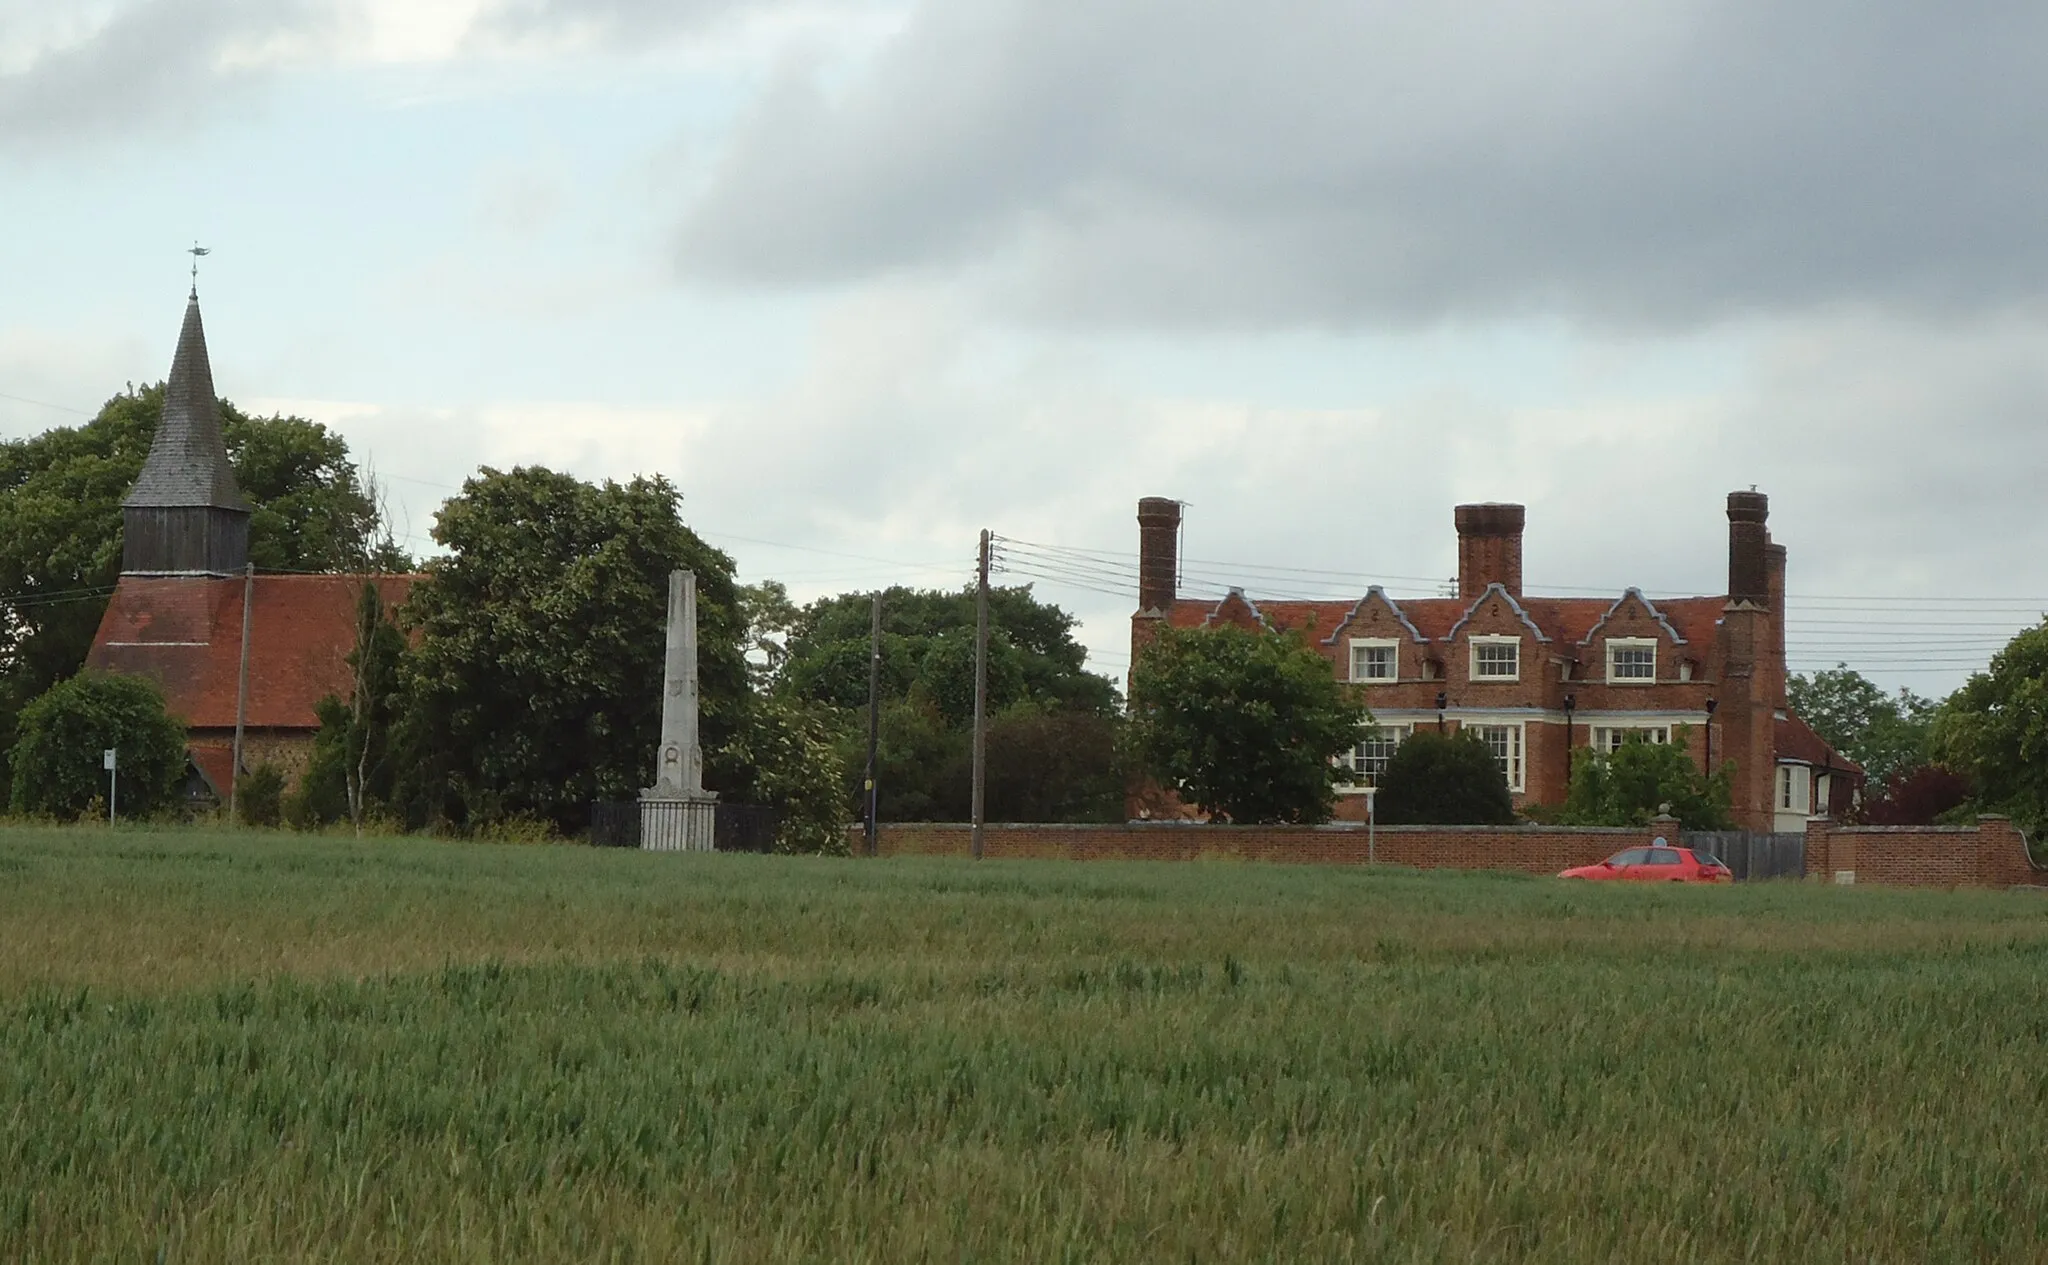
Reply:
x=734, y=827
x=1753, y=854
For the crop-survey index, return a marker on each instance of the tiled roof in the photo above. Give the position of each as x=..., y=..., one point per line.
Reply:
x=188, y=460
x=1796, y=740
x=186, y=634
x=1565, y=620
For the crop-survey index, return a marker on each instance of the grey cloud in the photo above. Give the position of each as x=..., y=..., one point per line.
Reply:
x=635, y=23
x=154, y=63
x=1331, y=162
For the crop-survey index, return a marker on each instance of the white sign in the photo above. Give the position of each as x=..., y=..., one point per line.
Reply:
x=107, y=759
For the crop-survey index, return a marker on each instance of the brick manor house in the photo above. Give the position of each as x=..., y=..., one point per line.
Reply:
x=1538, y=677
x=187, y=611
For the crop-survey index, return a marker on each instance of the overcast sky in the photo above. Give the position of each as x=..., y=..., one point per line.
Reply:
x=865, y=277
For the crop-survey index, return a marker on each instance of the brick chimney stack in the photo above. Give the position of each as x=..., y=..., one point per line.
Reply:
x=1749, y=544
x=1489, y=548
x=1158, y=553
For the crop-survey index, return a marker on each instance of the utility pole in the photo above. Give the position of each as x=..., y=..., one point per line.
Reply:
x=980, y=688
x=242, y=686
x=874, y=722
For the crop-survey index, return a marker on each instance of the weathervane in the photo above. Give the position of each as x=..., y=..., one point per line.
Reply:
x=196, y=251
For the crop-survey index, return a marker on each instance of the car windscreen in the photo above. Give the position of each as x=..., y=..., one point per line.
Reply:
x=1663, y=856
x=1634, y=856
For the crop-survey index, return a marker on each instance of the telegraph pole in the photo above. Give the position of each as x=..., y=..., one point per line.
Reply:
x=241, y=683
x=980, y=688
x=874, y=721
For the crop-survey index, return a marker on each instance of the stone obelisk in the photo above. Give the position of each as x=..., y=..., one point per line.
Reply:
x=677, y=813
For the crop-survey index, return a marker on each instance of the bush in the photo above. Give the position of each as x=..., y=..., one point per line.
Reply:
x=1636, y=782
x=57, y=766
x=259, y=796
x=1435, y=779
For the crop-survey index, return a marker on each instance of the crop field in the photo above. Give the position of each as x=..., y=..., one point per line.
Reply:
x=234, y=1047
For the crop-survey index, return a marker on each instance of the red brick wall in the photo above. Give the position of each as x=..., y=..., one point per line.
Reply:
x=1530, y=849
x=1992, y=853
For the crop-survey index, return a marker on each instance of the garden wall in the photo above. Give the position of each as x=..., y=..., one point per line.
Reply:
x=1992, y=853
x=1529, y=849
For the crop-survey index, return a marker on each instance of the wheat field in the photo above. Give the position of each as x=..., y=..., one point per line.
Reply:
x=253, y=1046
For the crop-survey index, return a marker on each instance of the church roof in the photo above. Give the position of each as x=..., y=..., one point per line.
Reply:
x=185, y=633
x=188, y=460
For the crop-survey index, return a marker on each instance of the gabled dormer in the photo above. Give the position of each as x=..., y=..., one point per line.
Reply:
x=1237, y=610
x=1495, y=642
x=1377, y=644
x=1634, y=644
x=185, y=515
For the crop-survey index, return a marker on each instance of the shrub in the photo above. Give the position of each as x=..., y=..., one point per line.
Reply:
x=1636, y=781
x=1435, y=779
x=57, y=766
x=259, y=796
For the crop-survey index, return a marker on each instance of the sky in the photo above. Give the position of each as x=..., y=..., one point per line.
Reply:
x=864, y=278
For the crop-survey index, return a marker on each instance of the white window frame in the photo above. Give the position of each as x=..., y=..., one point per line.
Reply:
x=1607, y=739
x=1359, y=645
x=1631, y=643
x=1512, y=755
x=1390, y=735
x=1795, y=789
x=1489, y=640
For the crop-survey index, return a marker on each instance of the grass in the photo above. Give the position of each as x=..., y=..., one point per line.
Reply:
x=217, y=1047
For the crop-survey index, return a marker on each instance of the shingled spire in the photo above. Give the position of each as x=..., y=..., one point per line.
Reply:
x=185, y=516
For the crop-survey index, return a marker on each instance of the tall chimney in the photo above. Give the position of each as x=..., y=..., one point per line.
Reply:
x=1158, y=553
x=1489, y=548
x=1749, y=542
x=1774, y=570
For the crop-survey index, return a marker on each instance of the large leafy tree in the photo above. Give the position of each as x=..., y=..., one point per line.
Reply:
x=1995, y=730
x=1888, y=734
x=60, y=525
x=1639, y=780
x=1038, y=686
x=1247, y=725
x=57, y=765
x=1435, y=779
x=535, y=686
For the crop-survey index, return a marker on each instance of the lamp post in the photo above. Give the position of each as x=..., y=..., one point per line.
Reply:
x=1372, y=855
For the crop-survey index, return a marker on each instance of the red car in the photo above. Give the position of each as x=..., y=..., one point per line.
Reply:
x=1657, y=864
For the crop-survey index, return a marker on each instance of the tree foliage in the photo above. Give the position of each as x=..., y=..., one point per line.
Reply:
x=1246, y=725
x=1995, y=730
x=1639, y=780
x=535, y=686
x=1885, y=733
x=353, y=769
x=1435, y=779
x=1916, y=797
x=60, y=524
x=62, y=733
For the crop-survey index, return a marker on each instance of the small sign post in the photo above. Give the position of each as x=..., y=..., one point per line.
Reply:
x=107, y=763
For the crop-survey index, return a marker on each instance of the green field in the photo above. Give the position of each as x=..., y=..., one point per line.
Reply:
x=233, y=1048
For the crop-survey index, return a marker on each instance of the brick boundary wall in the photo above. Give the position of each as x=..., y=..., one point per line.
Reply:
x=1527, y=849
x=1992, y=853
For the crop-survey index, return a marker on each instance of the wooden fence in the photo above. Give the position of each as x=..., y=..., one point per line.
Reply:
x=1752, y=854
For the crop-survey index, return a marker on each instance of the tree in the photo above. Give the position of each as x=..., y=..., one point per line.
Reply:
x=1916, y=797
x=1246, y=725
x=788, y=746
x=1036, y=669
x=1435, y=779
x=535, y=685
x=1886, y=734
x=1995, y=730
x=60, y=525
x=353, y=766
x=57, y=766
x=1639, y=780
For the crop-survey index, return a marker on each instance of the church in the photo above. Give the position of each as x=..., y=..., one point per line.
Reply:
x=242, y=659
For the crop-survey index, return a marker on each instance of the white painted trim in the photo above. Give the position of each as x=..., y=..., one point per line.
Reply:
x=1375, y=643
x=1492, y=639
x=1540, y=715
x=1631, y=643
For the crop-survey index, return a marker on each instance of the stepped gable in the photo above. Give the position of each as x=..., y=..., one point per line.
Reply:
x=188, y=460
x=186, y=635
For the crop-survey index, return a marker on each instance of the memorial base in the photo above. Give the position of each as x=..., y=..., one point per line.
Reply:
x=677, y=825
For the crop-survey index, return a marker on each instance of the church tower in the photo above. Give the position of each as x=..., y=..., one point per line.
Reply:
x=185, y=516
